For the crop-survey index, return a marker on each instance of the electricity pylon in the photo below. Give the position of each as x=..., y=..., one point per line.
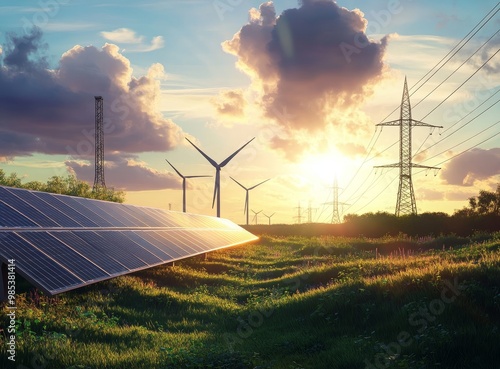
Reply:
x=406, y=197
x=335, y=203
x=99, y=145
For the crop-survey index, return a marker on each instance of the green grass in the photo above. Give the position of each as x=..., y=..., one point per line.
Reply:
x=284, y=303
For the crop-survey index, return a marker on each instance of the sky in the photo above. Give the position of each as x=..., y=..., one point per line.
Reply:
x=310, y=80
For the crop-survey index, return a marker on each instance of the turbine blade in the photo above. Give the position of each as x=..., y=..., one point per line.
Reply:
x=228, y=159
x=251, y=188
x=271, y=215
x=198, y=176
x=238, y=183
x=175, y=169
x=246, y=205
x=210, y=160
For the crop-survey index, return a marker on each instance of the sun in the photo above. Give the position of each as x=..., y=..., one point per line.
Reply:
x=323, y=169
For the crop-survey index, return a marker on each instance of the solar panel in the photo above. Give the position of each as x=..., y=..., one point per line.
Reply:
x=61, y=242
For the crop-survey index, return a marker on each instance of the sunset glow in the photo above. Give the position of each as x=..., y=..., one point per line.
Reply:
x=310, y=80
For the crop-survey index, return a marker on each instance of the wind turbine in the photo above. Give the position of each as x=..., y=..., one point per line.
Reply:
x=247, y=205
x=218, y=167
x=255, y=216
x=269, y=217
x=184, y=185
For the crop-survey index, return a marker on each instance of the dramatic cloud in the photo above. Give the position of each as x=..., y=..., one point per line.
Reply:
x=311, y=61
x=230, y=103
x=476, y=164
x=52, y=111
x=128, y=36
x=127, y=174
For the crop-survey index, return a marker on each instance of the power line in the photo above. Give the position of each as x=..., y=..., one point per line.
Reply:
x=467, y=139
x=456, y=69
x=458, y=129
x=472, y=30
x=463, y=83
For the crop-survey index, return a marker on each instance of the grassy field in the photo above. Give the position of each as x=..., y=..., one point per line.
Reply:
x=284, y=303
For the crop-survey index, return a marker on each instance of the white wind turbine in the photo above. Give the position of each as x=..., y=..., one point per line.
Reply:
x=184, y=184
x=269, y=217
x=247, y=201
x=218, y=167
x=255, y=215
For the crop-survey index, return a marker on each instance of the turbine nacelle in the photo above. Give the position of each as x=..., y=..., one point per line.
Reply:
x=218, y=167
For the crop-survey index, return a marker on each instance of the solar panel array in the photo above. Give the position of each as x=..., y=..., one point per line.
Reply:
x=60, y=242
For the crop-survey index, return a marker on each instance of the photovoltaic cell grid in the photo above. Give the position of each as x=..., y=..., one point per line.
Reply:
x=62, y=242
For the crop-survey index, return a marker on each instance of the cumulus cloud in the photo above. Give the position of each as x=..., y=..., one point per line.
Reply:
x=476, y=164
x=129, y=36
x=311, y=61
x=230, y=103
x=127, y=174
x=51, y=111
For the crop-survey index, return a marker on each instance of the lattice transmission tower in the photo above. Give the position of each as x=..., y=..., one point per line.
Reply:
x=99, y=145
x=406, y=197
x=336, y=218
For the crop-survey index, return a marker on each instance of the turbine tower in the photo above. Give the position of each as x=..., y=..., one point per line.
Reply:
x=406, y=197
x=184, y=184
x=269, y=217
x=99, y=145
x=255, y=215
x=247, y=200
x=218, y=167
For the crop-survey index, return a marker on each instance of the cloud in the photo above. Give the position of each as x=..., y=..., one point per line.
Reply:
x=476, y=164
x=431, y=195
x=123, y=35
x=310, y=61
x=230, y=103
x=128, y=174
x=51, y=111
x=493, y=66
x=128, y=36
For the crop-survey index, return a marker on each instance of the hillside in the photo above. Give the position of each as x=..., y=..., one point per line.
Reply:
x=289, y=302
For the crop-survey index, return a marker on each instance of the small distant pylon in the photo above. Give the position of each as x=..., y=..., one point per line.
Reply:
x=310, y=210
x=336, y=217
x=299, y=214
x=406, y=196
x=99, y=145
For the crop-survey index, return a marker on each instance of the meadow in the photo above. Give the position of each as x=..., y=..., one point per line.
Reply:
x=284, y=302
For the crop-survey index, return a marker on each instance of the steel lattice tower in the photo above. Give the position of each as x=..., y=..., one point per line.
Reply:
x=406, y=197
x=335, y=203
x=99, y=144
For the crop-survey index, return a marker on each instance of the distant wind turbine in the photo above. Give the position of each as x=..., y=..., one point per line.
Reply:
x=184, y=184
x=255, y=215
x=218, y=167
x=247, y=204
x=269, y=217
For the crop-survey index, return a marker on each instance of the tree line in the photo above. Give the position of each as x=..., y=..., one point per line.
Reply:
x=482, y=214
x=69, y=185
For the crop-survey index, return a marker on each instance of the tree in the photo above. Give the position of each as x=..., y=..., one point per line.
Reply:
x=488, y=202
x=69, y=185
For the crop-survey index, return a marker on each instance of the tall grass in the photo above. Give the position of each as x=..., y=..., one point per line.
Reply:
x=286, y=302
